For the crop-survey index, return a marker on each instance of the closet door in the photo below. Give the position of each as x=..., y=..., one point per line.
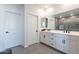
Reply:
x=12, y=29
x=2, y=37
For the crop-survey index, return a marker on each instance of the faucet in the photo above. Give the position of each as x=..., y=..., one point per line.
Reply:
x=67, y=28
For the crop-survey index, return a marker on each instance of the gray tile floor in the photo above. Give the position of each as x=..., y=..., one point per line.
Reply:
x=37, y=48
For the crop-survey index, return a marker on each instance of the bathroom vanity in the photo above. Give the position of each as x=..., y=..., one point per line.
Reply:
x=65, y=33
x=65, y=42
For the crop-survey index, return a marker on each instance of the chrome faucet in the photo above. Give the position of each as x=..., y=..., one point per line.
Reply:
x=67, y=28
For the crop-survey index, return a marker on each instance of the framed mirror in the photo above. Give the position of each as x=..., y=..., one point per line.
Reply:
x=44, y=22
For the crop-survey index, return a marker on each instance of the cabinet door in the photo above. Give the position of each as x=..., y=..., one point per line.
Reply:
x=66, y=44
x=72, y=44
x=59, y=42
x=43, y=37
x=77, y=51
x=62, y=42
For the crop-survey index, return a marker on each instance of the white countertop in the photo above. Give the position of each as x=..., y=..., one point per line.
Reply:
x=75, y=33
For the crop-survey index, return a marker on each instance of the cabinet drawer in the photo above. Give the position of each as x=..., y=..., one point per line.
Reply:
x=52, y=39
x=52, y=44
x=51, y=34
x=60, y=35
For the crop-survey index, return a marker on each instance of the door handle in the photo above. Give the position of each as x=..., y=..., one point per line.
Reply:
x=36, y=30
x=44, y=36
x=52, y=44
x=6, y=32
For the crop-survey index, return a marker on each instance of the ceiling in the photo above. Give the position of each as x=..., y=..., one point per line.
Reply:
x=59, y=9
x=42, y=6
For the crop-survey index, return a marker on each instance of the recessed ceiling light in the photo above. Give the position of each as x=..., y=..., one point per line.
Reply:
x=67, y=5
x=41, y=12
x=46, y=6
x=71, y=14
x=49, y=10
x=60, y=16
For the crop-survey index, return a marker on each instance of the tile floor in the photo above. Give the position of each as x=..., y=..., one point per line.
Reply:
x=37, y=48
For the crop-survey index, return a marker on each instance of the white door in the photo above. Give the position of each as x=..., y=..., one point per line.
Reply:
x=12, y=28
x=2, y=45
x=32, y=29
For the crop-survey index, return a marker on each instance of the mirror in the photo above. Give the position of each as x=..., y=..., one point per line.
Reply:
x=44, y=23
x=68, y=20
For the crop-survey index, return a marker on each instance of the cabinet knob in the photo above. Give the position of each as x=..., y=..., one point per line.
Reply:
x=6, y=32
x=52, y=34
x=44, y=36
x=63, y=41
x=36, y=30
x=51, y=38
x=51, y=43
